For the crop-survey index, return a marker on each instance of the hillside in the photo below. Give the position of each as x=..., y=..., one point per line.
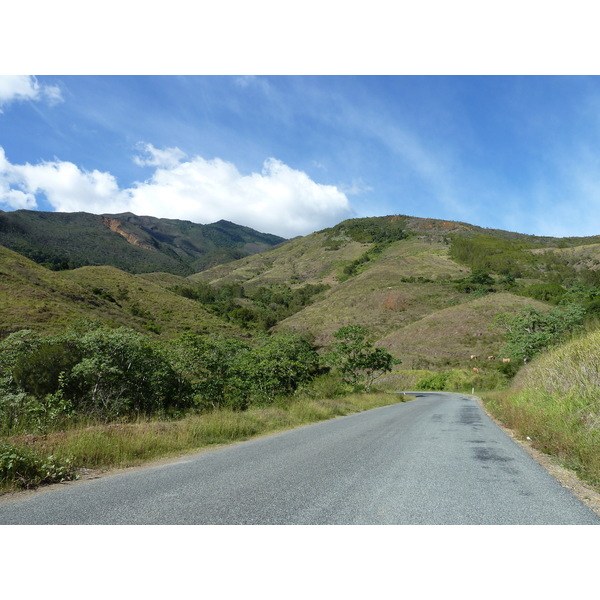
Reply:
x=33, y=297
x=412, y=282
x=406, y=289
x=449, y=337
x=126, y=241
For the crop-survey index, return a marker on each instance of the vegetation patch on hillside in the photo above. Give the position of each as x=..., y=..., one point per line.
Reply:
x=528, y=257
x=258, y=308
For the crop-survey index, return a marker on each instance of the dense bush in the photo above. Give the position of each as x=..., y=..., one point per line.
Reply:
x=545, y=292
x=39, y=371
x=105, y=374
x=490, y=253
x=258, y=308
x=514, y=258
x=124, y=372
x=530, y=331
x=23, y=468
x=371, y=230
x=229, y=372
x=102, y=373
x=461, y=380
x=478, y=283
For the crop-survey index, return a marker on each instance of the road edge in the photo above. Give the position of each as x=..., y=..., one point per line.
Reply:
x=566, y=477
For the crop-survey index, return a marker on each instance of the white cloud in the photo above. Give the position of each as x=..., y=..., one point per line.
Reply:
x=15, y=88
x=278, y=200
x=10, y=197
x=169, y=157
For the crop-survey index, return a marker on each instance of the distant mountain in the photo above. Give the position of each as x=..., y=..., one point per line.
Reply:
x=134, y=244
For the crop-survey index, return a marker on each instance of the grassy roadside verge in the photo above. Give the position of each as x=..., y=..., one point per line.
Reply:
x=554, y=401
x=54, y=457
x=559, y=425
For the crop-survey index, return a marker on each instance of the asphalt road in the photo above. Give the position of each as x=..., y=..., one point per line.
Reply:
x=437, y=460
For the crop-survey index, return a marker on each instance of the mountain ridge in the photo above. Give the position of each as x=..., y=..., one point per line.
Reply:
x=133, y=243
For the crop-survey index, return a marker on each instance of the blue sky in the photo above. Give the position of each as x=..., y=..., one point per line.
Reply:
x=294, y=154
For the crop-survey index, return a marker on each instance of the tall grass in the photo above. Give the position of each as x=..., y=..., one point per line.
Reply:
x=555, y=401
x=105, y=446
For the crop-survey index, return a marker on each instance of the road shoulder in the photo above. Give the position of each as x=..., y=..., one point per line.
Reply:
x=566, y=477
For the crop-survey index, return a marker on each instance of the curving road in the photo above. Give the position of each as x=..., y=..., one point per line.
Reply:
x=436, y=460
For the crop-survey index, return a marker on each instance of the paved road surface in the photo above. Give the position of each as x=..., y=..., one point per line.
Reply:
x=436, y=460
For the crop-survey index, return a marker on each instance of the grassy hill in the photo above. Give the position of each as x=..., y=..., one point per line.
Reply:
x=553, y=402
x=448, y=338
x=126, y=241
x=406, y=279
x=33, y=297
x=408, y=288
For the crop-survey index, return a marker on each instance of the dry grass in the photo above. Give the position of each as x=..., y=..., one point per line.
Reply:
x=555, y=402
x=450, y=336
x=380, y=298
x=305, y=260
x=581, y=257
x=123, y=445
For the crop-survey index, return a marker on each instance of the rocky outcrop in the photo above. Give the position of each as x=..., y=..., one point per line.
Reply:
x=116, y=226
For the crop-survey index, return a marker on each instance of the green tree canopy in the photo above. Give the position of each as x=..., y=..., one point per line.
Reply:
x=355, y=357
x=529, y=331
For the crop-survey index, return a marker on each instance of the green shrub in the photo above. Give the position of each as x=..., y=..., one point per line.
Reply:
x=39, y=372
x=355, y=358
x=545, y=292
x=434, y=382
x=21, y=468
x=123, y=372
x=324, y=387
x=461, y=380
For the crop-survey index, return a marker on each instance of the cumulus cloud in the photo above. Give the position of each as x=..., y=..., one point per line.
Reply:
x=154, y=157
x=11, y=197
x=279, y=199
x=15, y=88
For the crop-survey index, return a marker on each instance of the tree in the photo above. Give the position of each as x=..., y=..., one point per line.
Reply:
x=356, y=359
x=124, y=372
x=278, y=365
x=211, y=365
x=229, y=372
x=529, y=331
